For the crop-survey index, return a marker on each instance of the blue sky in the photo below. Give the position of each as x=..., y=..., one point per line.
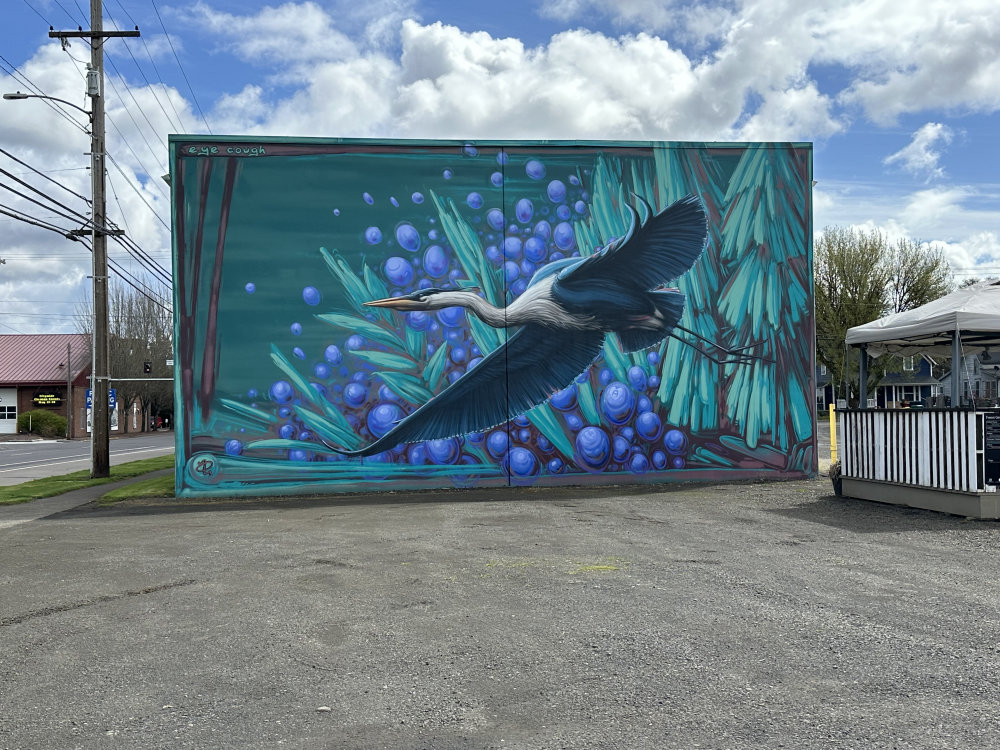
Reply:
x=900, y=100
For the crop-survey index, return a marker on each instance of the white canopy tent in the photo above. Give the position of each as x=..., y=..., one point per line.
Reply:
x=965, y=321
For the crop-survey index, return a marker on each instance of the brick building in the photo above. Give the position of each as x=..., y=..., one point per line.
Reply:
x=44, y=371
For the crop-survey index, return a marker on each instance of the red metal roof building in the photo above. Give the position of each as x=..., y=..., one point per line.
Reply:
x=34, y=372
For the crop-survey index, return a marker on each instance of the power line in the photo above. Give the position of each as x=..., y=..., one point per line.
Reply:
x=27, y=82
x=150, y=86
x=170, y=42
x=42, y=174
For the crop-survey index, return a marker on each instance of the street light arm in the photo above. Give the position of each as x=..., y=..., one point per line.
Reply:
x=17, y=95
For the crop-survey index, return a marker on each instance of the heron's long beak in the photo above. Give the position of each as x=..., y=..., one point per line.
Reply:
x=398, y=303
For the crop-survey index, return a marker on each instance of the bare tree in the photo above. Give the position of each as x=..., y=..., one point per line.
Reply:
x=140, y=336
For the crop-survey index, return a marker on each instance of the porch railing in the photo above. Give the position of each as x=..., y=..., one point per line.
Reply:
x=937, y=448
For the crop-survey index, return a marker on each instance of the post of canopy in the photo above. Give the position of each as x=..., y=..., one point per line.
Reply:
x=956, y=368
x=863, y=377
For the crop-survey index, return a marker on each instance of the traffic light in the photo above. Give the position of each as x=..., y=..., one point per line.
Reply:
x=147, y=367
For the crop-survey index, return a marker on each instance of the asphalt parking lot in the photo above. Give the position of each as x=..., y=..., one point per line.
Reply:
x=734, y=616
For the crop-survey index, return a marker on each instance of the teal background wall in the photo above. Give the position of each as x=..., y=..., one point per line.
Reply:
x=278, y=242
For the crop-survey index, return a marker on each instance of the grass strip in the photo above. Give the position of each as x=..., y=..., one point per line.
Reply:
x=52, y=486
x=143, y=489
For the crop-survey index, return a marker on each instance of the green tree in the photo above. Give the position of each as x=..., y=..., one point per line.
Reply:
x=861, y=276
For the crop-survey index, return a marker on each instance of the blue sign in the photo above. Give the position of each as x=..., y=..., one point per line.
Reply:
x=112, y=399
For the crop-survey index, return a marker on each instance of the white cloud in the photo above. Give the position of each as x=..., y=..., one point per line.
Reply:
x=920, y=157
x=293, y=33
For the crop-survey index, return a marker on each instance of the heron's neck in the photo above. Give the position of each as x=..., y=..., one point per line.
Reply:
x=489, y=314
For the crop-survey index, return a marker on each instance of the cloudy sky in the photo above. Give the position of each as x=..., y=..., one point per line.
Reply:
x=901, y=101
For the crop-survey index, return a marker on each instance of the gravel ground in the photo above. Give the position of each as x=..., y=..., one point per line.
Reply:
x=734, y=616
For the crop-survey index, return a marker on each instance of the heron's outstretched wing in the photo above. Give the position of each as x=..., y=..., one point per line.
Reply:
x=533, y=364
x=655, y=250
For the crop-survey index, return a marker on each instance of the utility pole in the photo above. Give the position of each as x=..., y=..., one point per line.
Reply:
x=100, y=448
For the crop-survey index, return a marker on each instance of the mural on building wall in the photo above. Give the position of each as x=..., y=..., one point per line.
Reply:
x=360, y=315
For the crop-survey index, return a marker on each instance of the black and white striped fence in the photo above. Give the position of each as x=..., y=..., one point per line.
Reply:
x=936, y=448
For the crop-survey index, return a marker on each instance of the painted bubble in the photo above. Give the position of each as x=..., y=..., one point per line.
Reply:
x=393, y=201
x=234, y=447
x=580, y=207
x=435, y=261
x=574, y=422
x=354, y=343
x=675, y=441
x=535, y=249
x=458, y=355
x=563, y=236
x=519, y=287
x=502, y=157
x=398, y=270
x=287, y=431
x=512, y=248
x=555, y=466
x=321, y=370
x=281, y=391
x=416, y=454
x=355, y=394
x=496, y=443
x=445, y=451
x=336, y=212
x=475, y=200
x=496, y=179
x=418, y=320
x=250, y=287
x=654, y=381
x=524, y=210
x=617, y=402
x=556, y=191
x=677, y=462
x=381, y=419
x=563, y=212
x=639, y=464
x=648, y=425
x=495, y=218
x=333, y=355
x=368, y=198
x=593, y=448
x=408, y=237
x=297, y=351
x=511, y=271
x=653, y=358
x=543, y=229
x=659, y=459
x=469, y=150
x=298, y=455
x=447, y=174
x=574, y=180
x=373, y=235
x=621, y=448
x=527, y=269
x=417, y=198
x=523, y=462
x=637, y=378
x=644, y=405
x=296, y=329
x=452, y=317
x=534, y=169
x=494, y=254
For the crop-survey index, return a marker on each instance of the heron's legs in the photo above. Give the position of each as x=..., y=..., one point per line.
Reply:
x=739, y=355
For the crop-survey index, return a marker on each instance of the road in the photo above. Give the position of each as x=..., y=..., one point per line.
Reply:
x=750, y=616
x=21, y=461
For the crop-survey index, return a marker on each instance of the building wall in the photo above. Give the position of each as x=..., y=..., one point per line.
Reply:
x=281, y=367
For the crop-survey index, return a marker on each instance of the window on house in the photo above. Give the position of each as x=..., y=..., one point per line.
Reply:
x=822, y=370
x=909, y=364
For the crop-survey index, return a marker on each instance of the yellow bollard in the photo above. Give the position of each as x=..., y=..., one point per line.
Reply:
x=833, y=433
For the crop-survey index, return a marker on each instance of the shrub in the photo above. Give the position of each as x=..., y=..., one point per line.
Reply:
x=42, y=422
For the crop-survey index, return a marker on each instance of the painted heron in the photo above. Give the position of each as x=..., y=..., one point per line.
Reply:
x=561, y=321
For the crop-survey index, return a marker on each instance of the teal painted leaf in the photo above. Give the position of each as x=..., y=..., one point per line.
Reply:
x=362, y=327
x=545, y=420
x=408, y=386
x=386, y=359
x=249, y=411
